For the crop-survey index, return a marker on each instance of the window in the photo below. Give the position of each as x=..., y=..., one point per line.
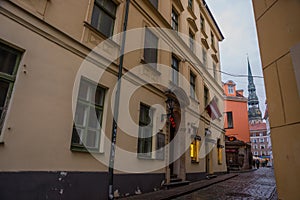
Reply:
x=255, y=153
x=194, y=150
x=254, y=141
x=229, y=120
x=150, y=51
x=215, y=70
x=103, y=16
x=88, y=116
x=154, y=3
x=192, y=40
x=206, y=93
x=175, y=67
x=190, y=4
x=9, y=62
x=254, y=146
x=202, y=23
x=230, y=89
x=261, y=134
x=220, y=152
x=262, y=146
x=174, y=22
x=145, y=131
x=192, y=84
x=212, y=38
x=261, y=140
x=204, y=57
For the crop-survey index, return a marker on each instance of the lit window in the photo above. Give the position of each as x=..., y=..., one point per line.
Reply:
x=194, y=150
x=103, y=16
x=220, y=152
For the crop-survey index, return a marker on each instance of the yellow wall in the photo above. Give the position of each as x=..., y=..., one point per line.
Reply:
x=56, y=38
x=278, y=32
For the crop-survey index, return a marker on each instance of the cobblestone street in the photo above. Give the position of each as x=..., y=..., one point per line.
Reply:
x=259, y=184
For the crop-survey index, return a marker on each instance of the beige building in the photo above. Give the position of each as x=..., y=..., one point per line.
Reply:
x=278, y=31
x=47, y=68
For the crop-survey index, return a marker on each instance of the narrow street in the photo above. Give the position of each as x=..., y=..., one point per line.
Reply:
x=259, y=184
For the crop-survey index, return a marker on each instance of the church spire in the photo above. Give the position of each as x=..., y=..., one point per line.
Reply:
x=254, y=112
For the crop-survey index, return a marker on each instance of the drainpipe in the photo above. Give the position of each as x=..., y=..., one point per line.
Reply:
x=116, y=109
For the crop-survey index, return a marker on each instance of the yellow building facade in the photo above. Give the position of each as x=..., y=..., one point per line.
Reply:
x=59, y=68
x=278, y=32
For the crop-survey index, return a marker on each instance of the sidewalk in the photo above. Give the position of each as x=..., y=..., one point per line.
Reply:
x=179, y=191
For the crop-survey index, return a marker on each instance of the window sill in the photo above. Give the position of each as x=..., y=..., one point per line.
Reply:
x=214, y=56
x=213, y=48
x=205, y=44
x=145, y=158
x=173, y=84
x=99, y=34
x=192, y=13
x=203, y=33
x=147, y=65
x=84, y=150
x=194, y=100
x=195, y=162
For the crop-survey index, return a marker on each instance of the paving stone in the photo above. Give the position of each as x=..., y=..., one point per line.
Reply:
x=256, y=185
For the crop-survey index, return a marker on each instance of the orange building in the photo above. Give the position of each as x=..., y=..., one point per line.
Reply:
x=236, y=122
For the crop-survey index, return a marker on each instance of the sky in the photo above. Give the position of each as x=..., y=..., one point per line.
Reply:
x=235, y=18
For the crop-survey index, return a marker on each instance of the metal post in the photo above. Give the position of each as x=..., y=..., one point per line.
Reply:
x=116, y=109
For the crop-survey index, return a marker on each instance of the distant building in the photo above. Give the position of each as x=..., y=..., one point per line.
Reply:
x=237, y=143
x=236, y=122
x=258, y=128
x=266, y=117
x=260, y=140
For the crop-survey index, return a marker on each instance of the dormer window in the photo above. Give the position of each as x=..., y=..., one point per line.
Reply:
x=230, y=89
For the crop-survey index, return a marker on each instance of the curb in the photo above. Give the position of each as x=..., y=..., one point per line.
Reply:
x=180, y=191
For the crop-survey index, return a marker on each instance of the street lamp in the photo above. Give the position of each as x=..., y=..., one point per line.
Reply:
x=170, y=104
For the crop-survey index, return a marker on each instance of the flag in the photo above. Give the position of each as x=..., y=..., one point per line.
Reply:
x=213, y=110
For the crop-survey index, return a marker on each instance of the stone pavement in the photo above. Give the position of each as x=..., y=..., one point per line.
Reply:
x=256, y=185
x=179, y=191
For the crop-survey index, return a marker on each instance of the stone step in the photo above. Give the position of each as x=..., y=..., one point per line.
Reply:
x=172, y=180
x=176, y=184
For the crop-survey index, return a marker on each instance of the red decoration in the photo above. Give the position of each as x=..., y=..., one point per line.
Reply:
x=172, y=121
